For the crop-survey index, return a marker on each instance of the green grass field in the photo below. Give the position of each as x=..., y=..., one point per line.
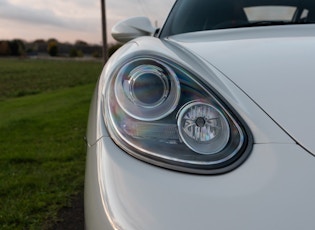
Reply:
x=43, y=114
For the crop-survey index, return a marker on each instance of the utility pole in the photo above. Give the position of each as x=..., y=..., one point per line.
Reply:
x=104, y=32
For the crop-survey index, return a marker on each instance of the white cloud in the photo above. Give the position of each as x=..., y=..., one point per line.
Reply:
x=61, y=14
x=69, y=18
x=28, y=15
x=43, y=18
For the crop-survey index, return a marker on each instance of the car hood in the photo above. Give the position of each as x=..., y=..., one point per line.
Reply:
x=274, y=66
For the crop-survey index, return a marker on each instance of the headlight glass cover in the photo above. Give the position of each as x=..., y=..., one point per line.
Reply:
x=161, y=113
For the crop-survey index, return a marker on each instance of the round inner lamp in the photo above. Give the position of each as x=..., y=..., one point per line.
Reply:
x=148, y=86
x=147, y=90
x=203, y=128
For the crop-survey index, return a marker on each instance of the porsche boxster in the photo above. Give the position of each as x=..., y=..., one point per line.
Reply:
x=207, y=122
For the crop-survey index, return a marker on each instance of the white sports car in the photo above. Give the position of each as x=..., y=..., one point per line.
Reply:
x=207, y=124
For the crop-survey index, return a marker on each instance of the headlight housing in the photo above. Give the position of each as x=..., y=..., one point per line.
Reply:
x=161, y=113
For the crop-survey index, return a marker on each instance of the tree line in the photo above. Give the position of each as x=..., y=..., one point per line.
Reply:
x=52, y=47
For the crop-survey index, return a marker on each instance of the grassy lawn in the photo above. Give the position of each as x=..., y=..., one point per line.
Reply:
x=43, y=114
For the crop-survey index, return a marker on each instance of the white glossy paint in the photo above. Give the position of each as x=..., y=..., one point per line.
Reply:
x=268, y=191
x=263, y=128
x=273, y=189
x=94, y=212
x=131, y=28
x=276, y=70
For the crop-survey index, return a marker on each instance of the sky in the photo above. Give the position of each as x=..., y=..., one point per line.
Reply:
x=72, y=20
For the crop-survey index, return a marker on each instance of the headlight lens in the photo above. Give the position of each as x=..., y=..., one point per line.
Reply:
x=162, y=114
x=203, y=128
x=147, y=90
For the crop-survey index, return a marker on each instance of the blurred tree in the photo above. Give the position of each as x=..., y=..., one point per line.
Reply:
x=52, y=40
x=97, y=54
x=52, y=48
x=112, y=48
x=73, y=52
x=5, y=48
x=17, y=47
x=80, y=43
x=39, y=41
x=76, y=53
x=80, y=53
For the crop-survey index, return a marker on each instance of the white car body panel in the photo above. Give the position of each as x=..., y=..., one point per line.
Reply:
x=267, y=192
x=272, y=189
x=273, y=78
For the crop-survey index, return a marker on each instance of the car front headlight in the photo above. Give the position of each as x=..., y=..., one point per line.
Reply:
x=161, y=113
